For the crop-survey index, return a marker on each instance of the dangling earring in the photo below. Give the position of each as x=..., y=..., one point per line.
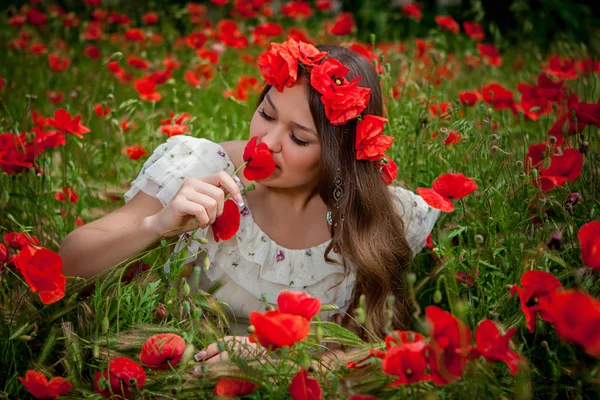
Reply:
x=337, y=196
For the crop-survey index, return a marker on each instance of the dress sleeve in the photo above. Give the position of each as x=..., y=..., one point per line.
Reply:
x=180, y=157
x=418, y=217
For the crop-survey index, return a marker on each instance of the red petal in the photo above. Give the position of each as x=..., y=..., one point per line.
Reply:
x=435, y=200
x=228, y=223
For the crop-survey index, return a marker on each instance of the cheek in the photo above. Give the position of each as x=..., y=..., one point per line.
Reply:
x=257, y=126
x=303, y=160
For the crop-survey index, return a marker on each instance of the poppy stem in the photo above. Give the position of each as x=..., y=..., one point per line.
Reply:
x=240, y=167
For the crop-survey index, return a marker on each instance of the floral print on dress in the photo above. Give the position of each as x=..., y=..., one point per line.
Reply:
x=308, y=252
x=221, y=153
x=280, y=256
x=245, y=211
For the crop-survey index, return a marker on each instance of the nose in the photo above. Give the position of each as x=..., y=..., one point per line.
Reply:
x=273, y=138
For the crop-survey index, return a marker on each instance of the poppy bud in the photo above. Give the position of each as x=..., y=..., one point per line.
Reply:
x=96, y=351
x=319, y=334
x=534, y=173
x=437, y=296
x=202, y=240
x=197, y=313
x=161, y=311
x=186, y=289
x=105, y=325
x=221, y=346
x=555, y=242
x=116, y=56
x=206, y=263
x=5, y=197
x=411, y=278
x=251, y=329
x=583, y=149
x=186, y=307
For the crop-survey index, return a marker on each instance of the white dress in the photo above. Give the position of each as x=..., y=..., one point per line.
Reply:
x=251, y=264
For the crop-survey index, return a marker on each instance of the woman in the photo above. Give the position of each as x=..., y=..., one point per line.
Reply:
x=323, y=222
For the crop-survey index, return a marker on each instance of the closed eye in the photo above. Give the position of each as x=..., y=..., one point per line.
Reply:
x=263, y=114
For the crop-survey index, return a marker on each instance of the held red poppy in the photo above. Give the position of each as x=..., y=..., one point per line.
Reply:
x=259, y=161
x=42, y=270
x=448, y=347
x=536, y=285
x=232, y=387
x=304, y=388
x=298, y=303
x=41, y=388
x=122, y=378
x=493, y=346
x=589, y=242
x=576, y=318
x=446, y=188
x=63, y=121
x=275, y=329
x=407, y=362
x=228, y=223
x=162, y=351
x=370, y=142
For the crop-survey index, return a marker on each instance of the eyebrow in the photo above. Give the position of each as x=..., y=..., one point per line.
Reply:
x=295, y=124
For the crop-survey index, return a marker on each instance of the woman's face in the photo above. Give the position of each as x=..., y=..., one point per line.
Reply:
x=283, y=121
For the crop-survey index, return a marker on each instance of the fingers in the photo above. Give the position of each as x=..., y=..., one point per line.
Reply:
x=226, y=182
x=198, y=210
x=213, y=207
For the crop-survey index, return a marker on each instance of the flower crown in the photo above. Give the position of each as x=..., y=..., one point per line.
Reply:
x=343, y=100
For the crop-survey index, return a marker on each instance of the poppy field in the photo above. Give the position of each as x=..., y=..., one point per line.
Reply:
x=502, y=137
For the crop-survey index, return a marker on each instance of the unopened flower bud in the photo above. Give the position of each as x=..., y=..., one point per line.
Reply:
x=411, y=278
x=186, y=289
x=186, y=307
x=221, y=346
x=437, y=296
x=161, y=311
x=105, y=325
x=555, y=242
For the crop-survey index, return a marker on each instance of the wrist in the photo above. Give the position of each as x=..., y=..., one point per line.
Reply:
x=148, y=229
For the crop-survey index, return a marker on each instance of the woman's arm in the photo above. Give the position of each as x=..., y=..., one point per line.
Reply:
x=99, y=245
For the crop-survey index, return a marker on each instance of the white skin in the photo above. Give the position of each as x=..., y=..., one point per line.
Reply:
x=284, y=122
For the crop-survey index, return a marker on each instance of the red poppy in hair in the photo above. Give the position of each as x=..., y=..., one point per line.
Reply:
x=346, y=103
x=448, y=347
x=259, y=161
x=63, y=121
x=576, y=318
x=275, y=329
x=330, y=76
x=42, y=270
x=445, y=188
x=228, y=223
x=389, y=170
x=298, y=303
x=232, y=387
x=41, y=388
x=537, y=285
x=125, y=375
x=370, y=143
x=494, y=347
x=162, y=351
x=304, y=388
x=589, y=242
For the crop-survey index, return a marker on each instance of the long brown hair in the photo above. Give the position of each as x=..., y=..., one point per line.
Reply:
x=371, y=236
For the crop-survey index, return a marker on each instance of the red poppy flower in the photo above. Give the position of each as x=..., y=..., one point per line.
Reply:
x=412, y=10
x=365, y=51
x=162, y=351
x=452, y=138
x=50, y=139
x=275, y=329
x=296, y=9
x=58, y=63
x=537, y=285
x=469, y=98
x=228, y=223
x=448, y=347
x=474, y=31
x=65, y=123
x=195, y=40
x=445, y=188
x=494, y=347
x=343, y=24
x=101, y=111
x=42, y=270
x=92, y=52
x=298, y=303
x=134, y=152
x=589, y=242
x=561, y=68
x=137, y=62
x=150, y=18
x=370, y=143
x=173, y=130
x=576, y=318
x=3, y=253
x=230, y=35
x=41, y=388
x=498, y=96
x=329, y=76
x=441, y=110
x=67, y=194
x=304, y=388
x=563, y=168
x=489, y=54
x=407, y=362
x=447, y=23
x=135, y=35
x=346, y=103
x=18, y=240
x=122, y=377
x=278, y=67
x=232, y=387
x=146, y=87
x=397, y=338
x=259, y=161
x=388, y=170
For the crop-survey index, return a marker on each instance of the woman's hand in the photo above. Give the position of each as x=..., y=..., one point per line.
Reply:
x=201, y=199
x=241, y=346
